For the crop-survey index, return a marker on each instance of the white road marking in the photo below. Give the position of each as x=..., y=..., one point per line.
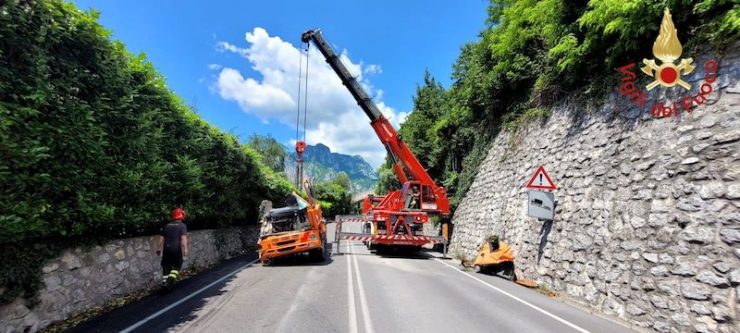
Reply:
x=363, y=299
x=574, y=326
x=351, y=295
x=169, y=307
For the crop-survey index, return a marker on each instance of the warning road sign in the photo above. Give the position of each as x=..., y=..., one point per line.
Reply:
x=541, y=180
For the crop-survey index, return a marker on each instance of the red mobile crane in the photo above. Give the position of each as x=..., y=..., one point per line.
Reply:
x=397, y=218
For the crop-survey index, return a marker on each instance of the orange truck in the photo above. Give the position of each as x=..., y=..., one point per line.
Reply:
x=294, y=229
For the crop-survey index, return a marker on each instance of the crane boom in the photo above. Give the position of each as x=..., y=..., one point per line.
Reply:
x=365, y=102
x=397, y=149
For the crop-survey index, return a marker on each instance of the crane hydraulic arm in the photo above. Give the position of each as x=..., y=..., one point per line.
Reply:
x=400, y=154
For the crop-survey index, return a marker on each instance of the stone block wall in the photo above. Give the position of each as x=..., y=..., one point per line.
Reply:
x=81, y=279
x=647, y=225
x=429, y=229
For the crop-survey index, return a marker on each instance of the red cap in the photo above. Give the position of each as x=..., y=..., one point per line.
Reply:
x=178, y=214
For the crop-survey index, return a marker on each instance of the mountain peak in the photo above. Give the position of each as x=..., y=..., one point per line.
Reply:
x=320, y=163
x=322, y=146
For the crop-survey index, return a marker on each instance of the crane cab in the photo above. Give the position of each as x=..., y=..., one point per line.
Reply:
x=418, y=196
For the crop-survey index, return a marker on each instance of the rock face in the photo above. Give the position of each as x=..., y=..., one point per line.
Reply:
x=82, y=279
x=647, y=221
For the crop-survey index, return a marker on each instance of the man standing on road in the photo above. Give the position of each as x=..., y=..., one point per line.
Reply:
x=173, y=244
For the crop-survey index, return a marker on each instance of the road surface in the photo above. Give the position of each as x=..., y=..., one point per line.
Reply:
x=353, y=292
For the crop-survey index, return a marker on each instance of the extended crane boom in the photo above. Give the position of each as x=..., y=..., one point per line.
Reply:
x=348, y=80
x=433, y=197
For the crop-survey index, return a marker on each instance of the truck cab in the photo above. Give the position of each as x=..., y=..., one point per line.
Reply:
x=293, y=229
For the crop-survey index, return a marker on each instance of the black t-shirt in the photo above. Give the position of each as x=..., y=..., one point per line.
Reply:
x=172, y=232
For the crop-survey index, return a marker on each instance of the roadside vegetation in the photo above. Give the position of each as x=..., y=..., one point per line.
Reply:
x=334, y=195
x=95, y=146
x=531, y=55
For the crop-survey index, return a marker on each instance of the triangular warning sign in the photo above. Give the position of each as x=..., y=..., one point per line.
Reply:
x=541, y=180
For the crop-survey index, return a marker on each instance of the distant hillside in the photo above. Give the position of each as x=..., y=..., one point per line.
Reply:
x=320, y=164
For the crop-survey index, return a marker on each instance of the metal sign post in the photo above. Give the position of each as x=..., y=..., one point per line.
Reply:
x=445, y=235
x=337, y=239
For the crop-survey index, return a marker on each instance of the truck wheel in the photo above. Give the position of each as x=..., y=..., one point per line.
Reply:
x=316, y=255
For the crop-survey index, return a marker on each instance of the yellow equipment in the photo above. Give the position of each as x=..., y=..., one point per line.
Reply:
x=496, y=256
x=494, y=252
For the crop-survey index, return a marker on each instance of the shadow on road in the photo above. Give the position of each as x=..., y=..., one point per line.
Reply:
x=132, y=314
x=385, y=253
x=503, y=270
x=300, y=260
x=419, y=255
x=416, y=256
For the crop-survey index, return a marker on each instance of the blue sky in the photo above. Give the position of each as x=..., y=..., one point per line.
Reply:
x=236, y=62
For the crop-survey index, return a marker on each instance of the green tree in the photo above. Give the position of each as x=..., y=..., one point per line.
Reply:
x=387, y=179
x=273, y=153
x=342, y=180
x=532, y=54
x=418, y=131
x=334, y=198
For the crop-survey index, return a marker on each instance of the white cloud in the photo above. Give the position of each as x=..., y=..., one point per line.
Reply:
x=252, y=95
x=350, y=134
x=214, y=67
x=401, y=118
x=373, y=69
x=333, y=116
x=224, y=46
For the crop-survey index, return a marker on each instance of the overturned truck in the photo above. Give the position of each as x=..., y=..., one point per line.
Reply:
x=294, y=229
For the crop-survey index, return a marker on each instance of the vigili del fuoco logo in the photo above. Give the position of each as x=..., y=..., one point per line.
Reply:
x=667, y=48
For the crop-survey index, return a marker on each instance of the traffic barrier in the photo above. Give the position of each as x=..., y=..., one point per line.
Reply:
x=351, y=219
x=397, y=239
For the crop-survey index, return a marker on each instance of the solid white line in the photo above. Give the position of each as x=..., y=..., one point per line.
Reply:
x=169, y=307
x=351, y=295
x=574, y=326
x=363, y=299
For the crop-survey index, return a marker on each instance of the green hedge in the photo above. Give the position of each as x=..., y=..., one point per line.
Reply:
x=95, y=146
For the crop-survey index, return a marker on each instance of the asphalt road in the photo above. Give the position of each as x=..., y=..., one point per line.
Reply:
x=353, y=292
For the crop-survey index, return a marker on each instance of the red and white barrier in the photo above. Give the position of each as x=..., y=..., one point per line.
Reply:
x=351, y=219
x=375, y=238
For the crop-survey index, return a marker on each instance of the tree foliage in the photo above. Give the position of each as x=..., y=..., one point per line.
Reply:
x=342, y=180
x=531, y=54
x=386, y=179
x=272, y=152
x=95, y=146
x=334, y=196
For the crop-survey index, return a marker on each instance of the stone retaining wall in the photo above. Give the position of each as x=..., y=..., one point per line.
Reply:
x=429, y=229
x=647, y=225
x=81, y=279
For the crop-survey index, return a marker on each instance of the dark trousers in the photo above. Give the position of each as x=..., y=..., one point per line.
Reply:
x=171, y=259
